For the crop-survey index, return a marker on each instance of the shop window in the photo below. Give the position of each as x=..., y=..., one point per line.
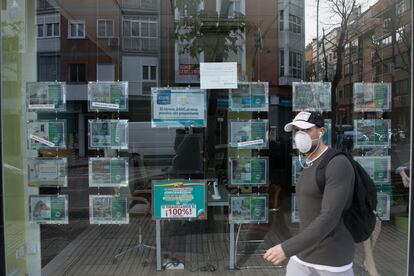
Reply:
x=105, y=28
x=77, y=73
x=76, y=29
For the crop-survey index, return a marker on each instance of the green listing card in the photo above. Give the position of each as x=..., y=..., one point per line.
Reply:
x=179, y=199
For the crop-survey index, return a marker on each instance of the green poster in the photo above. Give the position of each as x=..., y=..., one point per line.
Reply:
x=311, y=96
x=383, y=206
x=377, y=167
x=372, y=133
x=46, y=96
x=372, y=97
x=248, y=171
x=251, y=134
x=47, y=172
x=108, y=96
x=249, y=96
x=249, y=208
x=46, y=134
x=179, y=199
x=47, y=209
x=108, y=172
x=108, y=209
x=110, y=134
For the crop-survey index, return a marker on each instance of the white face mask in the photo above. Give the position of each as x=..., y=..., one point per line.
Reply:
x=303, y=141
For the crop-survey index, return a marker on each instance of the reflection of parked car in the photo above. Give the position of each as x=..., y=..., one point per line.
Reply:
x=354, y=135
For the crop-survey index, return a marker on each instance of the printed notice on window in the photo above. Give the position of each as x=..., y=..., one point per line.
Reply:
x=218, y=75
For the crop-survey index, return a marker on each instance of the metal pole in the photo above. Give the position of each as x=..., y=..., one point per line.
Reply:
x=317, y=40
x=158, y=243
x=232, y=253
x=410, y=253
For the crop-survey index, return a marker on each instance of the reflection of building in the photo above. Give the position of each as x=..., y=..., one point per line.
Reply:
x=48, y=41
x=291, y=41
x=377, y=50
x=114, y=42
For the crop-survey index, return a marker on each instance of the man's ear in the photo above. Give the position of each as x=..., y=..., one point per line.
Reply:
x=322, y=131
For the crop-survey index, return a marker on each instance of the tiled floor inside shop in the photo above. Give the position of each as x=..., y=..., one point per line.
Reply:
x=201, y=246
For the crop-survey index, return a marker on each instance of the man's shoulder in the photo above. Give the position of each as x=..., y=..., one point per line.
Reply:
x=337, y=158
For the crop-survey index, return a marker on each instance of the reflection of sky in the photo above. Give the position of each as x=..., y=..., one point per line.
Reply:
x=326, y=20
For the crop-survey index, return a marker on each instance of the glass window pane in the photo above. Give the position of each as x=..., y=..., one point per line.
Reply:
x=81, y=31
x=109, y=28
x=72, y=29
x=56, y=29
x=145, y=72
x=144, y=29
x=135, y=28
x=153, y=73
x=49, y=29
x=40, y=30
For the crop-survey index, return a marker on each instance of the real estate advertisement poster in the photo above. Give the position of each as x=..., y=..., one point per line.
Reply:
x=372, y=133
x=248, y=171
x=108, y=209
x=377, y=167
x=249, y=208
x=108, y=172
x=383, y=206
x=179, y=199
x=248, y=134
x=108, y=134
x=49, y=209
x=108, y=96
x=249, y=96
x=46, y=134
x=311, y=96
x=47, y=172
x=178, y=107
x=46, y=96
x=372, y=97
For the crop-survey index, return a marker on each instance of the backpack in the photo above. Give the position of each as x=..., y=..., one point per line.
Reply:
x=360, y=218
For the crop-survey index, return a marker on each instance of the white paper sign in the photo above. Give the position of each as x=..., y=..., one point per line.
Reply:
x=218, y=75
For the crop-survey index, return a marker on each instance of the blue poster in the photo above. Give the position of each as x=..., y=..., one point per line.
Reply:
x=178, y=107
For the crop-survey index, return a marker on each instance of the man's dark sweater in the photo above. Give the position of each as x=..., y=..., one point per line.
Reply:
x=323, y=238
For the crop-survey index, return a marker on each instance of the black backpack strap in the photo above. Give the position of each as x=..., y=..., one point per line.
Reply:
x=320, y=171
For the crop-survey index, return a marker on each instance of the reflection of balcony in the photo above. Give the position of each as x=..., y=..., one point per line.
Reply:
x=110, y=42
x=48, y=44
x=149, y=5
x=140, y=44
x=288, y=80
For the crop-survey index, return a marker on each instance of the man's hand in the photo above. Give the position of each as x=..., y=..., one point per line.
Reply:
x=276, y=255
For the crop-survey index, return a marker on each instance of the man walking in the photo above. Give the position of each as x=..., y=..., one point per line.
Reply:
x=324, y=246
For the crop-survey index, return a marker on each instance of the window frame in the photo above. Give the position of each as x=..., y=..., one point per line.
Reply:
x=76, y=23
x=105, y=20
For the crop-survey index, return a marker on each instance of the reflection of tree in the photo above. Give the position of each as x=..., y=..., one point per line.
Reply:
x=202, y=30
x=211, y=33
